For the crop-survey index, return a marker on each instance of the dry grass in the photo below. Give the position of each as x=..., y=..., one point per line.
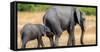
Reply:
x=36, y=18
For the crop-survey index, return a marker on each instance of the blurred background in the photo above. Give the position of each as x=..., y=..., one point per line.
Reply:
x=38, y=7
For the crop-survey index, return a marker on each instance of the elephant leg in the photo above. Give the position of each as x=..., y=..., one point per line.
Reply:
x=57, y=36
x=71, y=35
x=69, y=41
x=51, y=41
x=56, y=40
x=24, y=41
x=73, y=38
x=40, y=42
x=69, y=38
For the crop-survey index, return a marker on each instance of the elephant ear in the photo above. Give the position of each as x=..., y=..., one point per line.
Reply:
x=83, y=15
x=77, y=15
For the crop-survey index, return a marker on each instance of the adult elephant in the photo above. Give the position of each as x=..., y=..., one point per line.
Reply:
x=60, y=18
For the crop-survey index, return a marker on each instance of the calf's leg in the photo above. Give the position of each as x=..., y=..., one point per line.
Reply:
x=40, y=42
x=24, y=41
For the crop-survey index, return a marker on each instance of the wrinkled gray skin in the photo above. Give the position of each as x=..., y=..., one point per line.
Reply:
x=59, y=19
x=33, y=31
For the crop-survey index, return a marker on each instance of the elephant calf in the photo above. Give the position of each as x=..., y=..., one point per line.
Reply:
x=33, y=31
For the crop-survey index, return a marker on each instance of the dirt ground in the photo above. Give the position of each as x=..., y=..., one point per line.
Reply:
x=36, y=18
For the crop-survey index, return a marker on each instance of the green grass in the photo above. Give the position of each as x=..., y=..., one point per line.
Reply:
x=88, y=10
x=32, y=7
x=37, y=7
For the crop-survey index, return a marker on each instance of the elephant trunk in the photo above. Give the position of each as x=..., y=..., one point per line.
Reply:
x=82, y=32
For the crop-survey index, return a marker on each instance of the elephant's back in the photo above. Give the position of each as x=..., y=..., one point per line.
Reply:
x=26, y=27
x=59, y=12
x=30, y=28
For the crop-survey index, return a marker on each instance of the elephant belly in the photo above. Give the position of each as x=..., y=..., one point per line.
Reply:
x=33, y=36
x=64, y=23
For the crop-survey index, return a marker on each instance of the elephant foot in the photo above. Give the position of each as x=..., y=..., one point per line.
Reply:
x=82, y=44
x=69, y=45
x=53, y=46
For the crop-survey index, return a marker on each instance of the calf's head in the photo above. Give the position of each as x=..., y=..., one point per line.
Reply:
x=47, y=31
